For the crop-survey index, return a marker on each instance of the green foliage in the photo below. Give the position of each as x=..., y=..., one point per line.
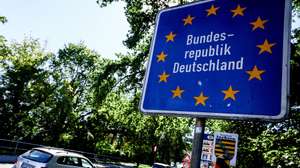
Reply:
x=23, y=86
x=133, y=135
x=144, y=166
x=3, y=19
x=296, y=5
x=65, y=110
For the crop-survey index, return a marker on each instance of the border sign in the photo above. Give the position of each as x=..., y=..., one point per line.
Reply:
x=225, y=148
x=220, y=59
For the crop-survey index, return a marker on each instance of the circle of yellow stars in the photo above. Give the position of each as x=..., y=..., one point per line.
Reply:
x=230, y=92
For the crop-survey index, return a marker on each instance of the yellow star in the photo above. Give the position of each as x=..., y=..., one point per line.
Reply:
x=230, y=93
x=188, y=20
x=170, y=36
x=266, y=47
x=163, y=77
x=255, y=73
x=258, y=24
x=238, y=11
x=161, y=57
x=200, y=99
x=212, y=10
x=177, y=92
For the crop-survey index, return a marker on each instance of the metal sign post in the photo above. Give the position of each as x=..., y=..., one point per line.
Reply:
x=198, y=142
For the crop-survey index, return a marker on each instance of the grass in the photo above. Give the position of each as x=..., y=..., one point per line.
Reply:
x=144, y=166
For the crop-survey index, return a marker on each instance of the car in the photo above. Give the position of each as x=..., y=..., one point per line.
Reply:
x=48, y=157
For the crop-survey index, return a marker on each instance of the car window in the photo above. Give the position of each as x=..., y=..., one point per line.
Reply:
x=62, y=160
x=75, y=161
x=86, y=163
x=71, y=161
x=38, y=156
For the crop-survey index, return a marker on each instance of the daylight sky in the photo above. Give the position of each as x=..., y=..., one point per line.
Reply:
x=57, y=22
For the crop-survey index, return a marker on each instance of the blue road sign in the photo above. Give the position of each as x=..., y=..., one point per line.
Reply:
x=220, y=59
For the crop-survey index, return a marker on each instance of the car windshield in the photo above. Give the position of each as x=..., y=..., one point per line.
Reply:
x=38, y=156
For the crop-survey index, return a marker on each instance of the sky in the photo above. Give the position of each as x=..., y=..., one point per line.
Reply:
x=59, y=22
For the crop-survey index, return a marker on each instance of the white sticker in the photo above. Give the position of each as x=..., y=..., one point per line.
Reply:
x=198, y=130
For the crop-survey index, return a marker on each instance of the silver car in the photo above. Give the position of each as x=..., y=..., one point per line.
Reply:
x=52, y=158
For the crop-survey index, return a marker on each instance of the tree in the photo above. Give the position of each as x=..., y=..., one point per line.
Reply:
x=23, y=86
x=3, y=19
x=62, y=118
x=120, y=128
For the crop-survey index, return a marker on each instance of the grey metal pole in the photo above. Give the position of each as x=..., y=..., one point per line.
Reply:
x=197, y=142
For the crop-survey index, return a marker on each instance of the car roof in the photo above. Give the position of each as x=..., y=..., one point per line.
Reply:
x=58, y=152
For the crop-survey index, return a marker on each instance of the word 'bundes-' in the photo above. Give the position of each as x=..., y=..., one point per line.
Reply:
x=209, y=38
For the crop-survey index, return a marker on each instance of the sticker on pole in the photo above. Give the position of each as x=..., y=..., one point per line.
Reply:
x=220, y=59
x=207, y=151
x=225, y=149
